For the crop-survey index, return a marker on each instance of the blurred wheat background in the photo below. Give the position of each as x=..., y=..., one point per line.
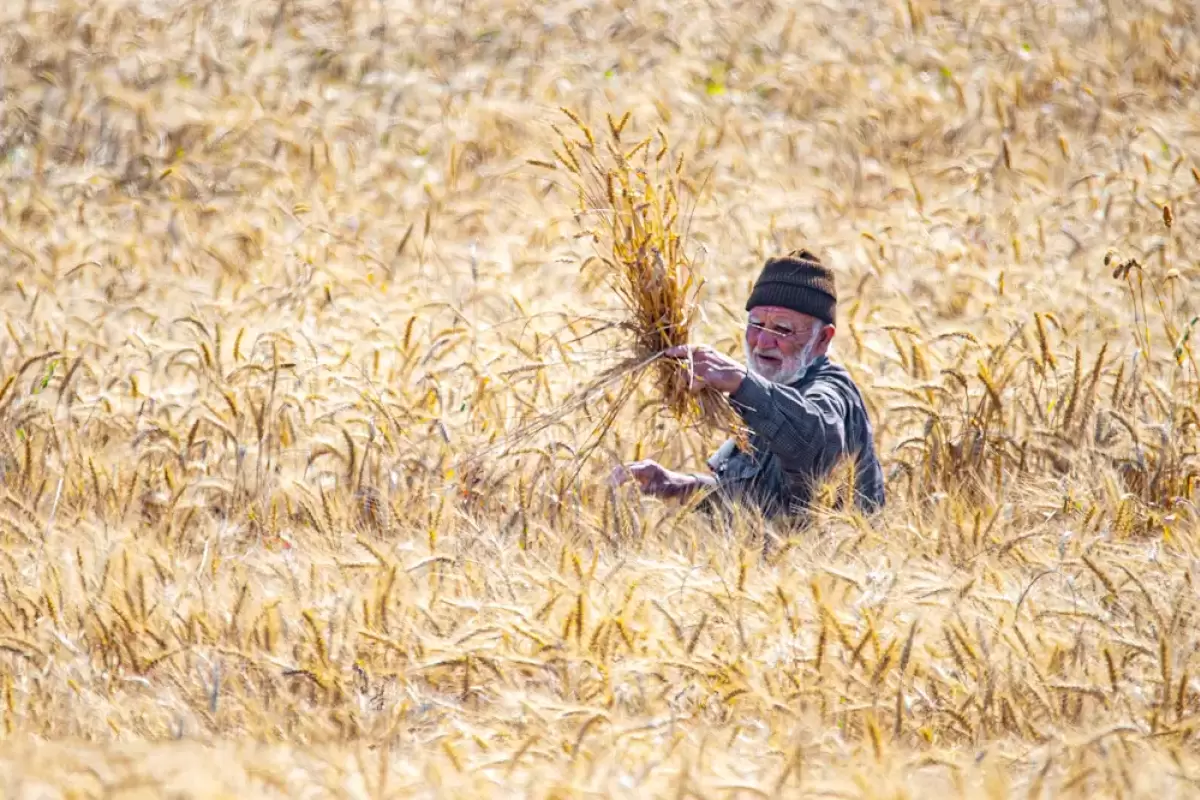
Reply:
x=280, y=280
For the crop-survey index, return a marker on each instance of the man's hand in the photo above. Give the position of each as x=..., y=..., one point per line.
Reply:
x=709, y=367
x=657, y=480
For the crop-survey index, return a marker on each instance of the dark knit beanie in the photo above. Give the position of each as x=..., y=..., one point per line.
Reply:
x=798, y=281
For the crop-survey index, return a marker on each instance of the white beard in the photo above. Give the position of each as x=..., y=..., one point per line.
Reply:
x=789, y=371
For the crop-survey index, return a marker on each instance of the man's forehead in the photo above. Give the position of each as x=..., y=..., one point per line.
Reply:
x=777, y=314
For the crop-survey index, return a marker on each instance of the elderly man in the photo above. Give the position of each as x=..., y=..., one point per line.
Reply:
x=805, y=413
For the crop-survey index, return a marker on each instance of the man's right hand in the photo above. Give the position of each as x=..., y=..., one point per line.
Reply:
x=655, y=479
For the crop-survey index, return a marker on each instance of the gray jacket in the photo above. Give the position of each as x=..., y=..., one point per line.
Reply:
x=799, y=433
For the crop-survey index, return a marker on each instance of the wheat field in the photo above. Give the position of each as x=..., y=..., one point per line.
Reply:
x=282, y=282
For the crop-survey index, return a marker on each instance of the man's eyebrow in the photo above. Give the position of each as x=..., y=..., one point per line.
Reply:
x=786, y=327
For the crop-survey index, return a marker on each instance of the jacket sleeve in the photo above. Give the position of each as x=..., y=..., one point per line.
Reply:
x=804, y=428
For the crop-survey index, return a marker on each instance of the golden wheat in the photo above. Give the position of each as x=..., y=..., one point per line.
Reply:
x=282, y=281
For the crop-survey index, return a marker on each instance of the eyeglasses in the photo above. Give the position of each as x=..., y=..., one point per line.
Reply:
x=782, y=332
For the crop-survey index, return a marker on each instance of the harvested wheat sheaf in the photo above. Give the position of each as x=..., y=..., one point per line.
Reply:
x=629, y=200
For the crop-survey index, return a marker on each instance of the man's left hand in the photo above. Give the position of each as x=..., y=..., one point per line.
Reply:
x=709, y=367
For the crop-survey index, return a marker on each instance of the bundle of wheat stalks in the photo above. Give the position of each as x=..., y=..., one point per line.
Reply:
x=630, y=200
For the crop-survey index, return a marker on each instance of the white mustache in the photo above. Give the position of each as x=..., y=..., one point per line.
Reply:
x=789, y=370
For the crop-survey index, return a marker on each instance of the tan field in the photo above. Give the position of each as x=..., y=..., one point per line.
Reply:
x=279, y=282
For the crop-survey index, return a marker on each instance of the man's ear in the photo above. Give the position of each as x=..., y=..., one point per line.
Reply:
x=827, y=334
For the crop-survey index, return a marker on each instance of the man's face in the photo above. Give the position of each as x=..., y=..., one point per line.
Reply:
x=780, y=343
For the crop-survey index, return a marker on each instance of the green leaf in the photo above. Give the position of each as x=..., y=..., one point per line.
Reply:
x=49, y=374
